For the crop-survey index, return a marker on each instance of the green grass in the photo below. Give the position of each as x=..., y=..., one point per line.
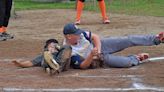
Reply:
x=29, y=5
x=138, y=7
x=131, y=7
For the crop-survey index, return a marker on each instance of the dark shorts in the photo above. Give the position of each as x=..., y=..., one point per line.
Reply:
x=38, y=61
x=76, y=61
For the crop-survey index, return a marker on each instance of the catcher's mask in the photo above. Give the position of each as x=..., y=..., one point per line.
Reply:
x=48, y=42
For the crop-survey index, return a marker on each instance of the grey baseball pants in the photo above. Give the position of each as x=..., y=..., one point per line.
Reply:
x=114, y=44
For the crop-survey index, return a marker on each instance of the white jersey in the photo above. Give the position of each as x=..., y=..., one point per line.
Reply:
x=83, y=47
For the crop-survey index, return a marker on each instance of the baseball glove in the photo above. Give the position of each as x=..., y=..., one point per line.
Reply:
x=60, y=63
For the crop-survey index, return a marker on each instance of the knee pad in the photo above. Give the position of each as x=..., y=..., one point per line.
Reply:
x=82, y=0
x=99, y=0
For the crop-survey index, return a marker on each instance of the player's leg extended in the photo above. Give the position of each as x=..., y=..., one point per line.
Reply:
x=115, y=44
x=124, y=62
x=80, y=5
x=103, y=11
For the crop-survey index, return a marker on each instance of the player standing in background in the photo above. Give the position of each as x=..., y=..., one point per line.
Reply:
x=5, y=8
x=80, y=5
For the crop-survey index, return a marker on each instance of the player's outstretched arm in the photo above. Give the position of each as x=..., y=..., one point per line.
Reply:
x=23, y=64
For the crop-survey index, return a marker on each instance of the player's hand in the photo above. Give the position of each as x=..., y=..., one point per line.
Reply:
x=95, y=51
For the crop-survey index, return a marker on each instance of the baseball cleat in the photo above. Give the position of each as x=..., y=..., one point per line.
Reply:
x=160, y=36
x=6, y=35
x=77, y=22
x=142, y=57
x=2, y=38
x=106, y=21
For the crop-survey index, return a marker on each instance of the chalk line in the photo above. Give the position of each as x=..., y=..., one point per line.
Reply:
x=81, y=89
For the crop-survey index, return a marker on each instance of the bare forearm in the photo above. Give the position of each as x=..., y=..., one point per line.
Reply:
x=97, y=42
x=86, y=63
x=27, y=64
x=23, y=64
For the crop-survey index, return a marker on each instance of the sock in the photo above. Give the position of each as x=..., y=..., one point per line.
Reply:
x=103, y=9
x=157, y=41
x=2, y=30
x=80, y=6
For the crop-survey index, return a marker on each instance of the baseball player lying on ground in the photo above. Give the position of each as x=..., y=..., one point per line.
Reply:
x=86, y=45
x=55, y=59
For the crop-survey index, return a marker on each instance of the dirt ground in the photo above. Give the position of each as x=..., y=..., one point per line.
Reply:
x=31, y=28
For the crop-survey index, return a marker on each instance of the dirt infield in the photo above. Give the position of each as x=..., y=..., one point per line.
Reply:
x=33, y=27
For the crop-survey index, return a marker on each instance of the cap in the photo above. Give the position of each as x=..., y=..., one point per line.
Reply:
x=71, y=28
